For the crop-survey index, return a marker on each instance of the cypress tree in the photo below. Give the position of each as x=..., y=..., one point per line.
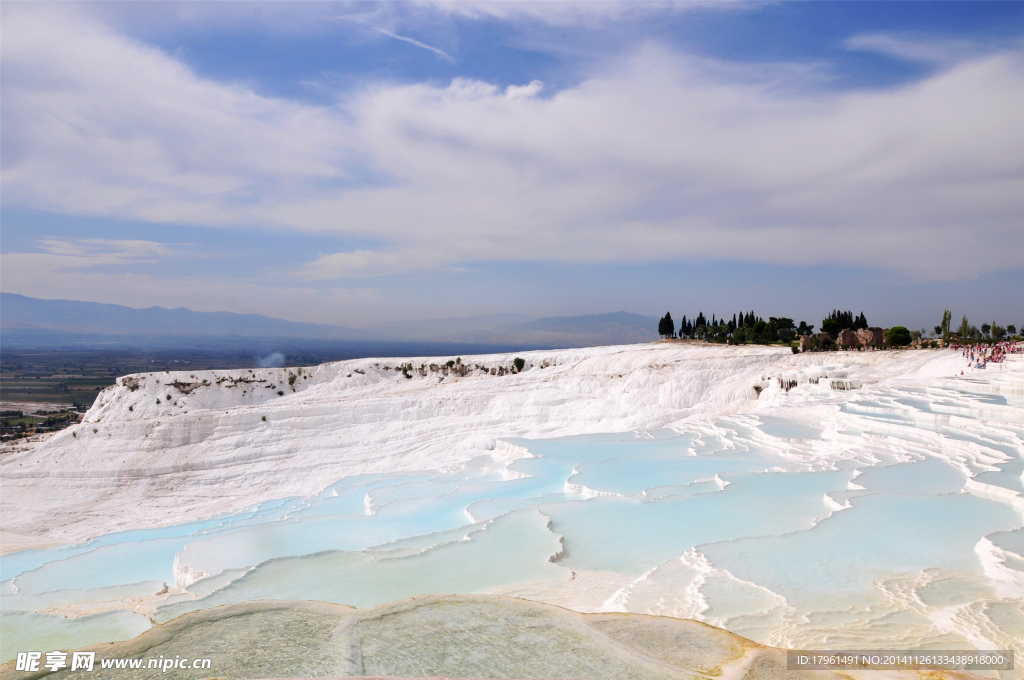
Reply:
x=666, y=327
x=947, y=317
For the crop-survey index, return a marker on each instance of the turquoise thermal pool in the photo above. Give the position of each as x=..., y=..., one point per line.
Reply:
x=893, y=520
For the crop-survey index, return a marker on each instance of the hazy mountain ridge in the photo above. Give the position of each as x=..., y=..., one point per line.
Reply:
x=21, y=313
x=29, y=321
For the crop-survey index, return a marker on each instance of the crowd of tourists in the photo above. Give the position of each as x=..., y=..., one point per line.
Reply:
x=979, y=355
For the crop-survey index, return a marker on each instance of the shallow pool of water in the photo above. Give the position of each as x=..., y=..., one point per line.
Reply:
x=781, y=527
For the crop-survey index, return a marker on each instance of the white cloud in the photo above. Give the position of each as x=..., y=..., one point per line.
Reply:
x=122, y=250
x=122, y=129
x=513, y=91
x=663, y=158
x=911, y=48
x=68, y=254
x=574, y=12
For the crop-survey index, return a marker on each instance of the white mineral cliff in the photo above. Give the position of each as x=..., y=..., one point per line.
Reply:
x=165, y=448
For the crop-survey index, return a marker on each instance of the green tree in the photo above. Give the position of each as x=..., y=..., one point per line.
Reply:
x=947, y=317
x=985, y=329
x=785, y=329
x=998, y=332
x=757, y=332
x=519, y=363
x=898, y=336
x=838, y=321
x=804, y=328
x=667, y=327
x=965, y=328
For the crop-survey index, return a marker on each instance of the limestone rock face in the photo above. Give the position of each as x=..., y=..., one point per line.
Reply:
x=808, y=342
x=847, y=338
x=823, y=336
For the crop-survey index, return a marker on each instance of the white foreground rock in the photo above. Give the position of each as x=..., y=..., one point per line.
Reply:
x=165, y=448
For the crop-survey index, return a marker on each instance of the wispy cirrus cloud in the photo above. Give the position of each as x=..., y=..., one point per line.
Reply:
x=65, y=254
x=439, y=52
x=105, y=251
x=942, y=51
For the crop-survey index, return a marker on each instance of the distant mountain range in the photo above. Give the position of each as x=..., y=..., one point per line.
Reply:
x=25, y=317
x=29, y=322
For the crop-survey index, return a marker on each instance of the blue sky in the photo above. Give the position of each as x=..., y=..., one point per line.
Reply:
x=353, y=163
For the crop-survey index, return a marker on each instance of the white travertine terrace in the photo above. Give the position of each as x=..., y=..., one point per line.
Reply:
x=227, y=440
x=908, y=453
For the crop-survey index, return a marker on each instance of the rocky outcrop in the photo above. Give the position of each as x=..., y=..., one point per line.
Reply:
x=808, y=342
x=872, y=336
x=847, y=338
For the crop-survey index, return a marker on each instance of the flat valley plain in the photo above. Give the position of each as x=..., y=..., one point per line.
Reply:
x=76, y=376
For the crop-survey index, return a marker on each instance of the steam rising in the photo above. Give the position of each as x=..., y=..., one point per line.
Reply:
x=273, y=360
